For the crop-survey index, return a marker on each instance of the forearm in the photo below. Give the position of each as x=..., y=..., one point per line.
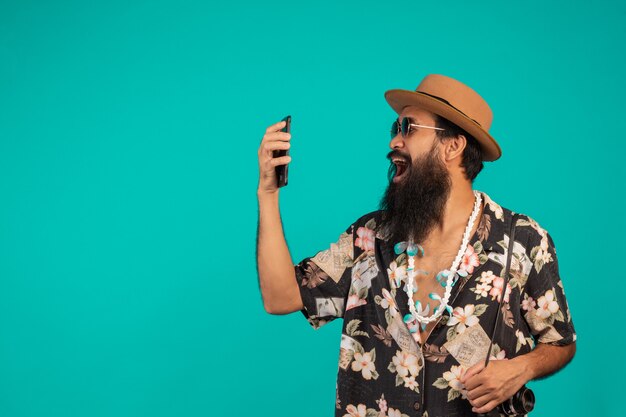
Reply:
x=277, y=279
x=545, y=360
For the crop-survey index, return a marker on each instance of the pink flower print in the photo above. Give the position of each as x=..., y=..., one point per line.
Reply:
x=396, y=274
x=499, y=357
x=410, y=382
x=365, y=239
x=528, y=303
x=382, y=404
x=547, y=305
x=354, y=301
x=394, y=413
x=496, y=291
x=453, y=377
x=388, y=302
x=470, y=260
x=463, y=317
x=482, y=289
x=363, y=363
x=406, y=363
x=356, y=411
x=487, y=277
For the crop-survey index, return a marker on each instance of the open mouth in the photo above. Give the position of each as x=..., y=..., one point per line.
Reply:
x=401, y=169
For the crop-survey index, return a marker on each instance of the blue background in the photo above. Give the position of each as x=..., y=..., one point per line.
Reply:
x=128, y=171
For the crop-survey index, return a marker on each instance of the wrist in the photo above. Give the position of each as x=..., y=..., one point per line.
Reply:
x=263, y=194
x=268, y=200
x=525, y=365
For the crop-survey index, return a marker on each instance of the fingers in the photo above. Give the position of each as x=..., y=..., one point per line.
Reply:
x=266, y=155
x=273, y=146
x=276, y=136
x=481, y=401
x=274, y=132
x=474, y=370
x=283, y=160
x=486, y=408
x=273, y=140
x=480, y=397
x=476, y=393
x=275, y=127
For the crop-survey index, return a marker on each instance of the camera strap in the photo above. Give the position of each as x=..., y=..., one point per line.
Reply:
x=505, y=282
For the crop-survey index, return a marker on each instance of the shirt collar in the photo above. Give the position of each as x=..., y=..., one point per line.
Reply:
x=491, y=227
x=492, y=224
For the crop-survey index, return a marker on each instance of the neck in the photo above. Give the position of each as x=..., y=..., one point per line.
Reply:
x=457, y=213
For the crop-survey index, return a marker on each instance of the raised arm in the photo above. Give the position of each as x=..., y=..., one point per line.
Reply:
x=277, y=279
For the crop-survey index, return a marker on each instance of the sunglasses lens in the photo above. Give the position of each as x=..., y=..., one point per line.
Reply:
x=405, y=126
x=394, y=129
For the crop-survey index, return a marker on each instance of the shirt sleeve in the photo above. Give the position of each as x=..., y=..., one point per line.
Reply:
x=544, y=305
x=324, y=280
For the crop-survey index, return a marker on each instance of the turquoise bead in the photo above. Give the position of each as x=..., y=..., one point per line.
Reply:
x=398, y=248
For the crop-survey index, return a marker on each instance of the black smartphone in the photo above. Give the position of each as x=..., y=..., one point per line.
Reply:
x=282, y=170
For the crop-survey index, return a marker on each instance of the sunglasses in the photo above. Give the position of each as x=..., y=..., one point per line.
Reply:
x=406, y=127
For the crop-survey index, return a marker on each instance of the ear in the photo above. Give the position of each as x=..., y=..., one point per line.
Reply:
x=454, y=148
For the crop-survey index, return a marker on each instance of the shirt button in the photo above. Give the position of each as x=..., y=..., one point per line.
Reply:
x=416, y=405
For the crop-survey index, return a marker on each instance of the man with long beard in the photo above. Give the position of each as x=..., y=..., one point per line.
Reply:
x=420, y=283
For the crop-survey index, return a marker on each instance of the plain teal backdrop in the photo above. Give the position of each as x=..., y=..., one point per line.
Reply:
x=128, y=170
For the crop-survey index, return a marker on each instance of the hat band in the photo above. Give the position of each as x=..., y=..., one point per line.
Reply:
x=449, y=104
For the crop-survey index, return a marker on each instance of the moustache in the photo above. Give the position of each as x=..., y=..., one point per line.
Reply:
x=399, y=155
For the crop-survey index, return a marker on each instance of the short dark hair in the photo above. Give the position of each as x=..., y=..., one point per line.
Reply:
x=472, y=158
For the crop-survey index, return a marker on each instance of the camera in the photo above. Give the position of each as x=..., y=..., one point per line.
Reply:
x=522, y=402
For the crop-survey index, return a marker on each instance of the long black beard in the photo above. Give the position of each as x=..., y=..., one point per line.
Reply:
x=415, y=205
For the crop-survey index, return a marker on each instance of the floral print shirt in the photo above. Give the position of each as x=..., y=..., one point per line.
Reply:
x=383, y=368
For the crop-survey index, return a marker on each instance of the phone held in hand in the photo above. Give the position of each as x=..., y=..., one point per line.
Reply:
x=282, y=170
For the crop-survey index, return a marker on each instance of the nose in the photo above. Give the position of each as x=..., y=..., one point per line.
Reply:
x=397, y=142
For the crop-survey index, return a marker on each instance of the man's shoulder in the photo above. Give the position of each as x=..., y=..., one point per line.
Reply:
x=372, y=216
x=366, y=224
x=527, y=229
x=368, y=220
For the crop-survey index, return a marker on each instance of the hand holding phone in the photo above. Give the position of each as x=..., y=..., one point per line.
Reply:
x=283, y=170
x=274, y=140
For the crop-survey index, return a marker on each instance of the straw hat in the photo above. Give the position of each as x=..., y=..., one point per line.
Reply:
x=452, y=100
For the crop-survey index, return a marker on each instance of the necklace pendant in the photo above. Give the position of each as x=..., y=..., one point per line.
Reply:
x=414, y=249
x=411, y=323
x=399, y=247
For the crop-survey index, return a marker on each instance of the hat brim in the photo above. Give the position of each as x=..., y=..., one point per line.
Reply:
x=399, y=99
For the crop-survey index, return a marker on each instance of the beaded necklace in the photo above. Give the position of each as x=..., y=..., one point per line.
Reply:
x=413, y=249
